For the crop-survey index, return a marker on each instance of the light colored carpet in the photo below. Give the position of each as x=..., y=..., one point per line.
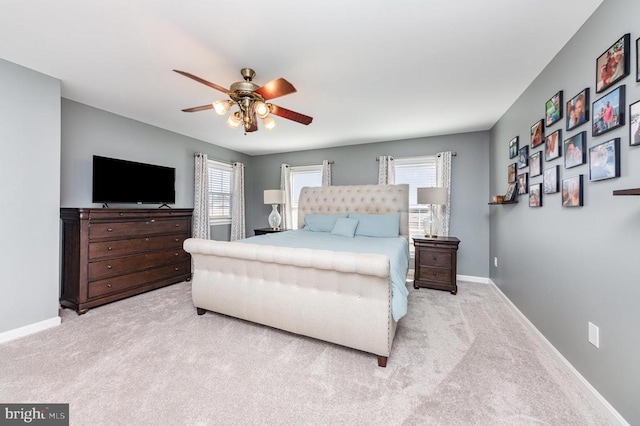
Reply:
x=150, y=360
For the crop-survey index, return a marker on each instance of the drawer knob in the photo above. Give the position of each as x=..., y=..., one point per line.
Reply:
x=434, y=274
x=177, y=269
x=177, y=254
x=109, y=229
x=177, y=225
x=153, y=220
x=146, y=239
x=109, y=285
x=109, y=248
x=177, y=239
x=108, y=266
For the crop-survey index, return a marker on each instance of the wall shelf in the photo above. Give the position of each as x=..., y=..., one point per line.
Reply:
x=504, y=202
x=633, y=191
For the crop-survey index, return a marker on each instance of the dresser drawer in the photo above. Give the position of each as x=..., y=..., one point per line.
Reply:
x=123, y=265
x=118, y=248
x=435, y=274
x=146, y=227
x=435, y=258
x=108, y=286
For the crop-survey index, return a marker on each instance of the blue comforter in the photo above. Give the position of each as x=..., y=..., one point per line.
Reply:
x=397, y=249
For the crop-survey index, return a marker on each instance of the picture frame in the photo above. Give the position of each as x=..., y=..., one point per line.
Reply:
x=637, y=59
x=572, y=192
x=604, y=160
x=607, y=113
x=575, y=150
x=513, y=147
x=535, y=195
x=553, y=145
x=511, y=173
x=537, y=133
x=511, y=192
x=550, y=180
x=553, y=109
x=523, y=157
x=523, y=183
x=613, y=64
x=634, y=123
x=535, y=164
x=577, y=110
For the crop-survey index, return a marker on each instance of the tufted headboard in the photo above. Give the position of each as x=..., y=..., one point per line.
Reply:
x=369, y=199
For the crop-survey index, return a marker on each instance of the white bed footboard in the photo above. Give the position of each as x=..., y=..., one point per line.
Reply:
x=339, y=297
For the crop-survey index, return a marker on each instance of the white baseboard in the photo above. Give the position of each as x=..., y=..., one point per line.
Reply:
x=472, y=279
x=29, y=329
x=607, y=409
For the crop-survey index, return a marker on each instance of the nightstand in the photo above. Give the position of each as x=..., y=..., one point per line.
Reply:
x=262, y=231
x=436, y=263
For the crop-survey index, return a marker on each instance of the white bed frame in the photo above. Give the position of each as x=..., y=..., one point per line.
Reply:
x=339, y=297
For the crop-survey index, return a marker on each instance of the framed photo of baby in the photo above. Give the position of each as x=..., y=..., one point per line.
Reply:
x=613, y=64
x=552, y=145
x=578, y=109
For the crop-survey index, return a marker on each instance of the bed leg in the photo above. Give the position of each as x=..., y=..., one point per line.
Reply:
x=382, y=361
x=200, y=311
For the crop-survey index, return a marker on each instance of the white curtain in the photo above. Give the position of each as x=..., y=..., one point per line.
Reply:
x=237, y=202
x=285, y=185
x=200, y=219
x=326, y=173
x=443, y=179
x=386, y=172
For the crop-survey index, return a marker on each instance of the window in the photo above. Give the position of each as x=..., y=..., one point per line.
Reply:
x=418, y=172
x=219, y=193
x=302, y=176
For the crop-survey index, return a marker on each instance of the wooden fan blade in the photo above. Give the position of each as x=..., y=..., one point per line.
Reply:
x=291, y=115
x=199, y=108
x=275, y=89
x=205, y=82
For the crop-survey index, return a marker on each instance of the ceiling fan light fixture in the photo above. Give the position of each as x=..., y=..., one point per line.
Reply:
x=221, y=107
x=268, y=122
x=262, y=110
x=234, y=120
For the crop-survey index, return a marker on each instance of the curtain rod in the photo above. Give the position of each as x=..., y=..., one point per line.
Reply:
x=453, y=154
x=307, y=165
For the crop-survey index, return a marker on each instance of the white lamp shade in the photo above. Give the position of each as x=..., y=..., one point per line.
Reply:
x=273, y=196
x=432, y=195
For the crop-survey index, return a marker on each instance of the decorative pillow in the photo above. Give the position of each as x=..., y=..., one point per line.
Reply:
x=345, y=227
x=321, y=222
x=377, y=225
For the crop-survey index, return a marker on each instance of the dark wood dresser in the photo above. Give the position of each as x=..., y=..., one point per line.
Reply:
x=436, y=263
x=109, y=254
x=262, y=231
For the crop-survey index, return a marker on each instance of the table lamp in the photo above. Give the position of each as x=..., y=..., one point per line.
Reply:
x=274, y=197
x=432, y=196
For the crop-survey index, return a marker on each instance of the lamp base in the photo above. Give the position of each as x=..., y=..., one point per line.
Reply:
x=431, y=236
x=274, y=218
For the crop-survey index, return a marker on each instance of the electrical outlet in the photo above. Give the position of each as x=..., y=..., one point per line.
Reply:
x=594, y=335
x=495, y=262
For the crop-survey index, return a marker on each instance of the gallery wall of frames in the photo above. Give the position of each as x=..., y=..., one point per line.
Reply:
x=569, y=148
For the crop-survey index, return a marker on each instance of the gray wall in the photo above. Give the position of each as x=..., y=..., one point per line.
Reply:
x=30, y=194
x=356, y=164
x=564, y=267
x=88, y=131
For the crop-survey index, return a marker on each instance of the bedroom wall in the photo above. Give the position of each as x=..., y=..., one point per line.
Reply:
x=356, y=164
x=88, y=131
x=30, y=194
x=564, y=267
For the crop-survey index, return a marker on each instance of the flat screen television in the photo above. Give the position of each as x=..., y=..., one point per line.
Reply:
x=122, y=181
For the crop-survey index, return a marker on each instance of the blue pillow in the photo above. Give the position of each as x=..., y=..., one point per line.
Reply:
x=321, y=222
x=377, y=225
x=345, y=227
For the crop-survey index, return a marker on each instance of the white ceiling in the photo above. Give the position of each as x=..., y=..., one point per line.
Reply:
x=366, y=70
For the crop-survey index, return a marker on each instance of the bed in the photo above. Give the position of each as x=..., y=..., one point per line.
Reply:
x=351, y=296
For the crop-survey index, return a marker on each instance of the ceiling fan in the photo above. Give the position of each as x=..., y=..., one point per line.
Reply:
x=250, y=99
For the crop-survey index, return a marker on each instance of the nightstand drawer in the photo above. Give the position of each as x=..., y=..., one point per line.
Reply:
x=435, y=258
x=435, y=274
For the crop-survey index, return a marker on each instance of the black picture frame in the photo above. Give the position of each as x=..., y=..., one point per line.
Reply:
x=523, y=183
x=510, y=195
x=572, y=192
x=550, y=180
x=577, y=110
x=535, y=195
x=604, y=160
x=637, y=59
x=535, y=164
x=602, y=121
x=553, y=109
x=537, y=133
x=513, y=147
x=575, y=150
x=523, y=157
x=511, y=173
x=613, y=64
x=634, y=123
x=553, y=145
